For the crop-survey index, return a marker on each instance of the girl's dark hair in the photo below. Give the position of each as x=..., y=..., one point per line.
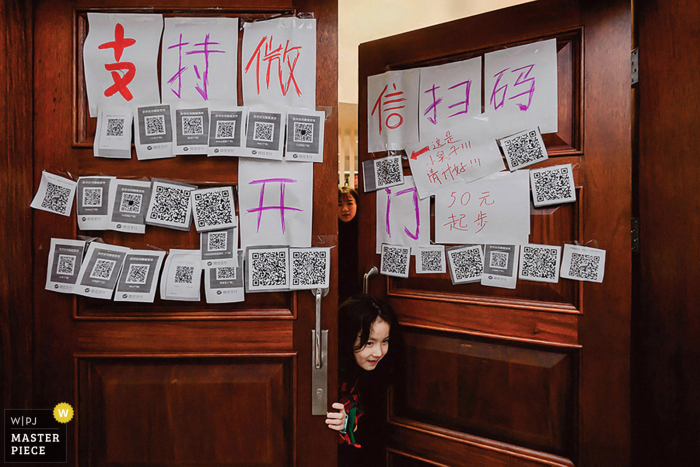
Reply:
x=355, y=316
x=346, y=191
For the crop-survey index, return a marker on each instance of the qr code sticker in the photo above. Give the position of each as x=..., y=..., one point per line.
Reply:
x=303, y=132
x=498, y=260
x=138, y=273
x=131, y=203
x=170, y=204
x=184, y=274
x=540, y=263
x=155, y=125
x=225, y=129
x=66, y=265
x=213, y=208
x=225, y=273
x=388, y=171
x=431, y=261
x=395, y=260
x=115, y=127
x=102, y=269
x=466, y=264
x=263, y=131
x=193, y=125
x=524, y=149
x=310, y=268
x=268, y=269
x=56, y=198
x=584, y=266
x=216, y=241
x=552, y=185
x=92, y=197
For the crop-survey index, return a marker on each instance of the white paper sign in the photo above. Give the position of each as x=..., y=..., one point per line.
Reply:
x=93, y=208
x=494, y=209
x=182, y=276
x=120, y=57
x=139, y=277
x=402, y=218
x=100, y=270
x=113, y=134
x=520, y=83
x=392, y=110
x=199, y=60
x=55, y=194
x=224, y=284
x=583, y=263
x=275, y=202
x=453, y=157
x=65, y=259
x=449, y=94
x=279, y=63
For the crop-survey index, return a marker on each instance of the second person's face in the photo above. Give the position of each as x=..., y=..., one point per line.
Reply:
x=347, y=208
x=377, y=346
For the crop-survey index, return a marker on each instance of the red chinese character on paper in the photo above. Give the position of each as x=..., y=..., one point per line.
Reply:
x=523, y=79
x=433, y=177
x=285, y=58
x=203, y=76
x=481, y=220
x=457, y=224
x=121, y=80
x=392, y=101
x=483, y=199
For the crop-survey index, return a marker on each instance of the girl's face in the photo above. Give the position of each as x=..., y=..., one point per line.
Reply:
x=377, y=346
x=347, y=208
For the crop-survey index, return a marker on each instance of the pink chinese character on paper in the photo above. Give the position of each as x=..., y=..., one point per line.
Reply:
x=122, y=72
x=415, y=209
x=392, y=101
x=202, y=75
x=498, y=95
x=281, y=207
x=285, y=58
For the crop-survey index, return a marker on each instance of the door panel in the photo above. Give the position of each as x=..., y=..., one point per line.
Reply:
x=174, y=383
x=538, y=375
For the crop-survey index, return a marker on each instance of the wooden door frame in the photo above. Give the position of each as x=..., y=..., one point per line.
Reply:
x=16, y=144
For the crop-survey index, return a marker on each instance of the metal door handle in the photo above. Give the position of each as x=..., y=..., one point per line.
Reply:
x=320, y=293
x=319, y=360
x=369, y=275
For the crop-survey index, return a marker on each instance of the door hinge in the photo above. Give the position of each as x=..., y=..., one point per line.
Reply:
x=634, y=230
x=635, y=66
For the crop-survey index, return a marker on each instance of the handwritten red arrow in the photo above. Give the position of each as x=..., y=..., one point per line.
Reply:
x=415, y=154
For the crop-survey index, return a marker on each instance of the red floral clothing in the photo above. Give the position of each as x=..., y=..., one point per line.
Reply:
x=350, y=398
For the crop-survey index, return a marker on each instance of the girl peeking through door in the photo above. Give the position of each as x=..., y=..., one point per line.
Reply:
x=365, y=325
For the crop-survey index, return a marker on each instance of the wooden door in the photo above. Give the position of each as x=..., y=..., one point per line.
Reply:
x=538, y=375
x=173, y=383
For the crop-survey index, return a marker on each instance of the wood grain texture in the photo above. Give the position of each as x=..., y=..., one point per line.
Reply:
x=16, y=312
x=666, y=355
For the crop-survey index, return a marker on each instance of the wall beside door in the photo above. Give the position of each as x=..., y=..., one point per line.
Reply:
x=666, y=313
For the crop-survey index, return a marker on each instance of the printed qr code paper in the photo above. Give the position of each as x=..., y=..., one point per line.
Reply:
x=113, y=134
x=100, y=270
x=153, y=132
x=170, y=204
x=129, y=200
x=305, y=135
x=466, y=264
x=218, y=248
x=213, y=209
x=583, y=263
x=267, y=269
x=552, y=185
x=227, y=131
x=181, y=278
x=65, y=259
x=55, y=194
x=540, y=263
x=93, y=208
x=225, y=284
x=500, y=266
x=524, y=149
x=139, y=276
x=430, y=259
x=265, y=135
x=191, y=130
x=396, y=260
x=310, y=268
x=382, y=173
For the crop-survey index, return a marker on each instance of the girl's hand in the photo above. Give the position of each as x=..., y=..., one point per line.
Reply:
x=336, y=420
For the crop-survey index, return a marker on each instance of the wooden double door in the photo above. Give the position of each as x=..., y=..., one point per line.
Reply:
x=538, y=375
